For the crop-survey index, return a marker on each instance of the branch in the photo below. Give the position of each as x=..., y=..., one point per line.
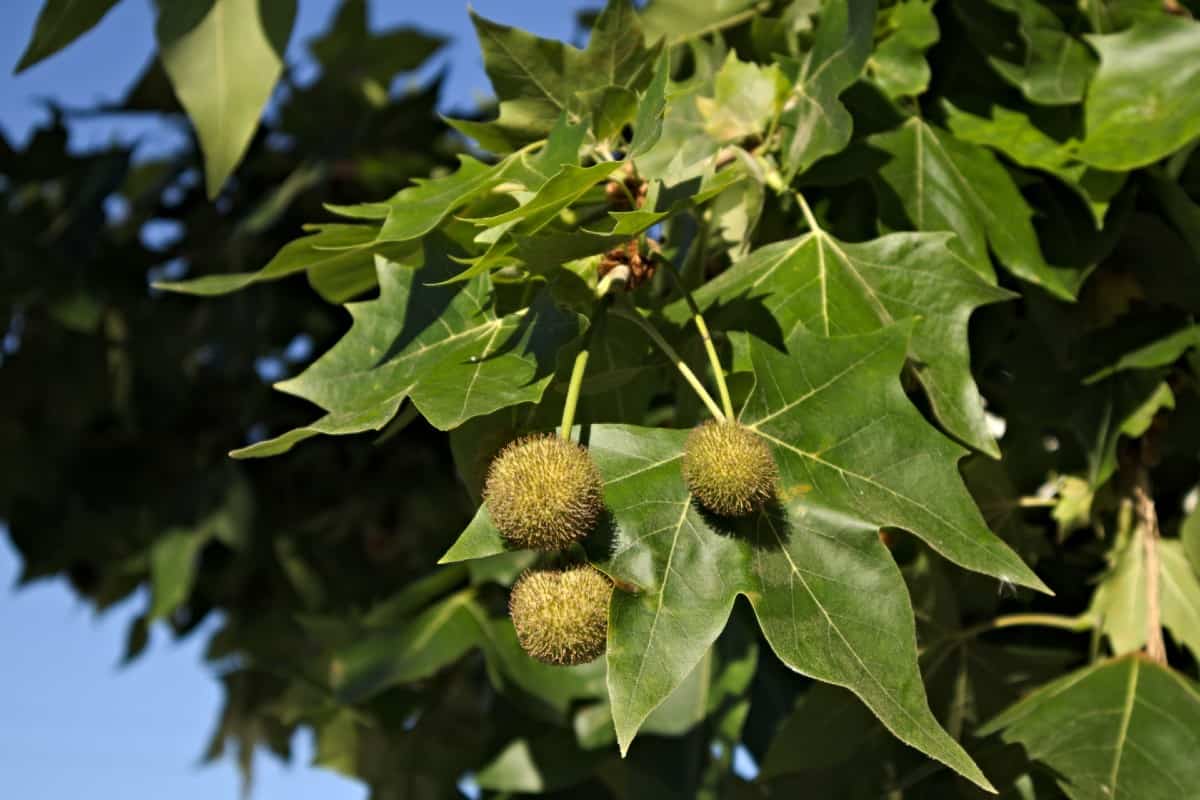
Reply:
x=1147, y=526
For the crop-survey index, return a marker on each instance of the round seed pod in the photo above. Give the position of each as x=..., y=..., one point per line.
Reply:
x=561, y=616
x=543, y=493
x=729, y=468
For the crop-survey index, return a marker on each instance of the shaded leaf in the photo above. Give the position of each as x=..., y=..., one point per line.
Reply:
x=734, y=101
x=1046, y=63
x=898, y=64
x=537, y=80
x=433, y=639
x=814, y=122
x=1159, y=353
x=1119, y=605
x=1013, y=134
x=935, y=182
x=1120, y=728
x=59, y=23
x=351, y=51
x=545, y=764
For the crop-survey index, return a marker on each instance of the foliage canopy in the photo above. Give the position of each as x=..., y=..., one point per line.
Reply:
x=940, y=258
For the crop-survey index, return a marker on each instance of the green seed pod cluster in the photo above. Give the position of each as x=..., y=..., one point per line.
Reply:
x=729, y=468
x=543, y=493
x=561, y=616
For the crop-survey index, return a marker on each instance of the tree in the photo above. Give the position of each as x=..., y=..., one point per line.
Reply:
x=936, y=261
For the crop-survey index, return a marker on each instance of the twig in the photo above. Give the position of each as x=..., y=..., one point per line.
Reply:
x=1147, y=524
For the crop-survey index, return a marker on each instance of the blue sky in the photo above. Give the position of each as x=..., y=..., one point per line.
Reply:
x=73, y=724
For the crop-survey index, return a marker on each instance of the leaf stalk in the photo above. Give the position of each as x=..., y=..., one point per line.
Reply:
x=626, y=311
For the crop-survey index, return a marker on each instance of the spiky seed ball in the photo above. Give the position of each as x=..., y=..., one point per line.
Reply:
x=543, y=493
x=561, y=616
x=729, y=468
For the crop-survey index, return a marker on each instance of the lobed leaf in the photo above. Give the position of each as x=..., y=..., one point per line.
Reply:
x=934, y=182
x=834, y=288
x=441, y=345
x=1121, y=728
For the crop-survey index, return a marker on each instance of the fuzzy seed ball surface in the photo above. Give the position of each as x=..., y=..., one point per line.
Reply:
x=561, y=616
x=543, y=493
x=729, y=468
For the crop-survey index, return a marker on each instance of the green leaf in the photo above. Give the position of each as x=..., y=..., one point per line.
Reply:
x=806, y=571
x=1046, y=63
x=1121, y=728
x=350, y=51
x=417, y=210
x=827, y=727
x=1117, y=408
x=441, y=345
x=1159, y=353
x=173, y=569
x=1013, y=134
x=338, y=744
x=480, y=539
x=547, y=763
x=745, y=96
x=415, y=650
x=1189, y=533
x=59, y=23
x=820, y=417
x=898, y=64
x=1119, y=605
x=537, y=80
x=736, y=100
x=934, y=182
x=1180, y=208
x=564, y=188
x=223, y=64
x=680, y=20
x=814, y=122
x=173, y=556
x=610, y=109
x=335, y=256
x=647, y=122
x=558, y=688
x=813, y=568
x=833, y=288
x=1142, y=105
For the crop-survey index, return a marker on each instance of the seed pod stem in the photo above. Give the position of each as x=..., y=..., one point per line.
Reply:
x=627, y=311
x=709, y=347
x=579, y=368
x=568, y=415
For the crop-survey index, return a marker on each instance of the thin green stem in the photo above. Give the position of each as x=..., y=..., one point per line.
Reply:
x=1032, y=501
x=628, y=312
x=713, y=359
x=1077, y=624
x=728, y=22
x=568, y=415
x=578, y=369
x=808, y=214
